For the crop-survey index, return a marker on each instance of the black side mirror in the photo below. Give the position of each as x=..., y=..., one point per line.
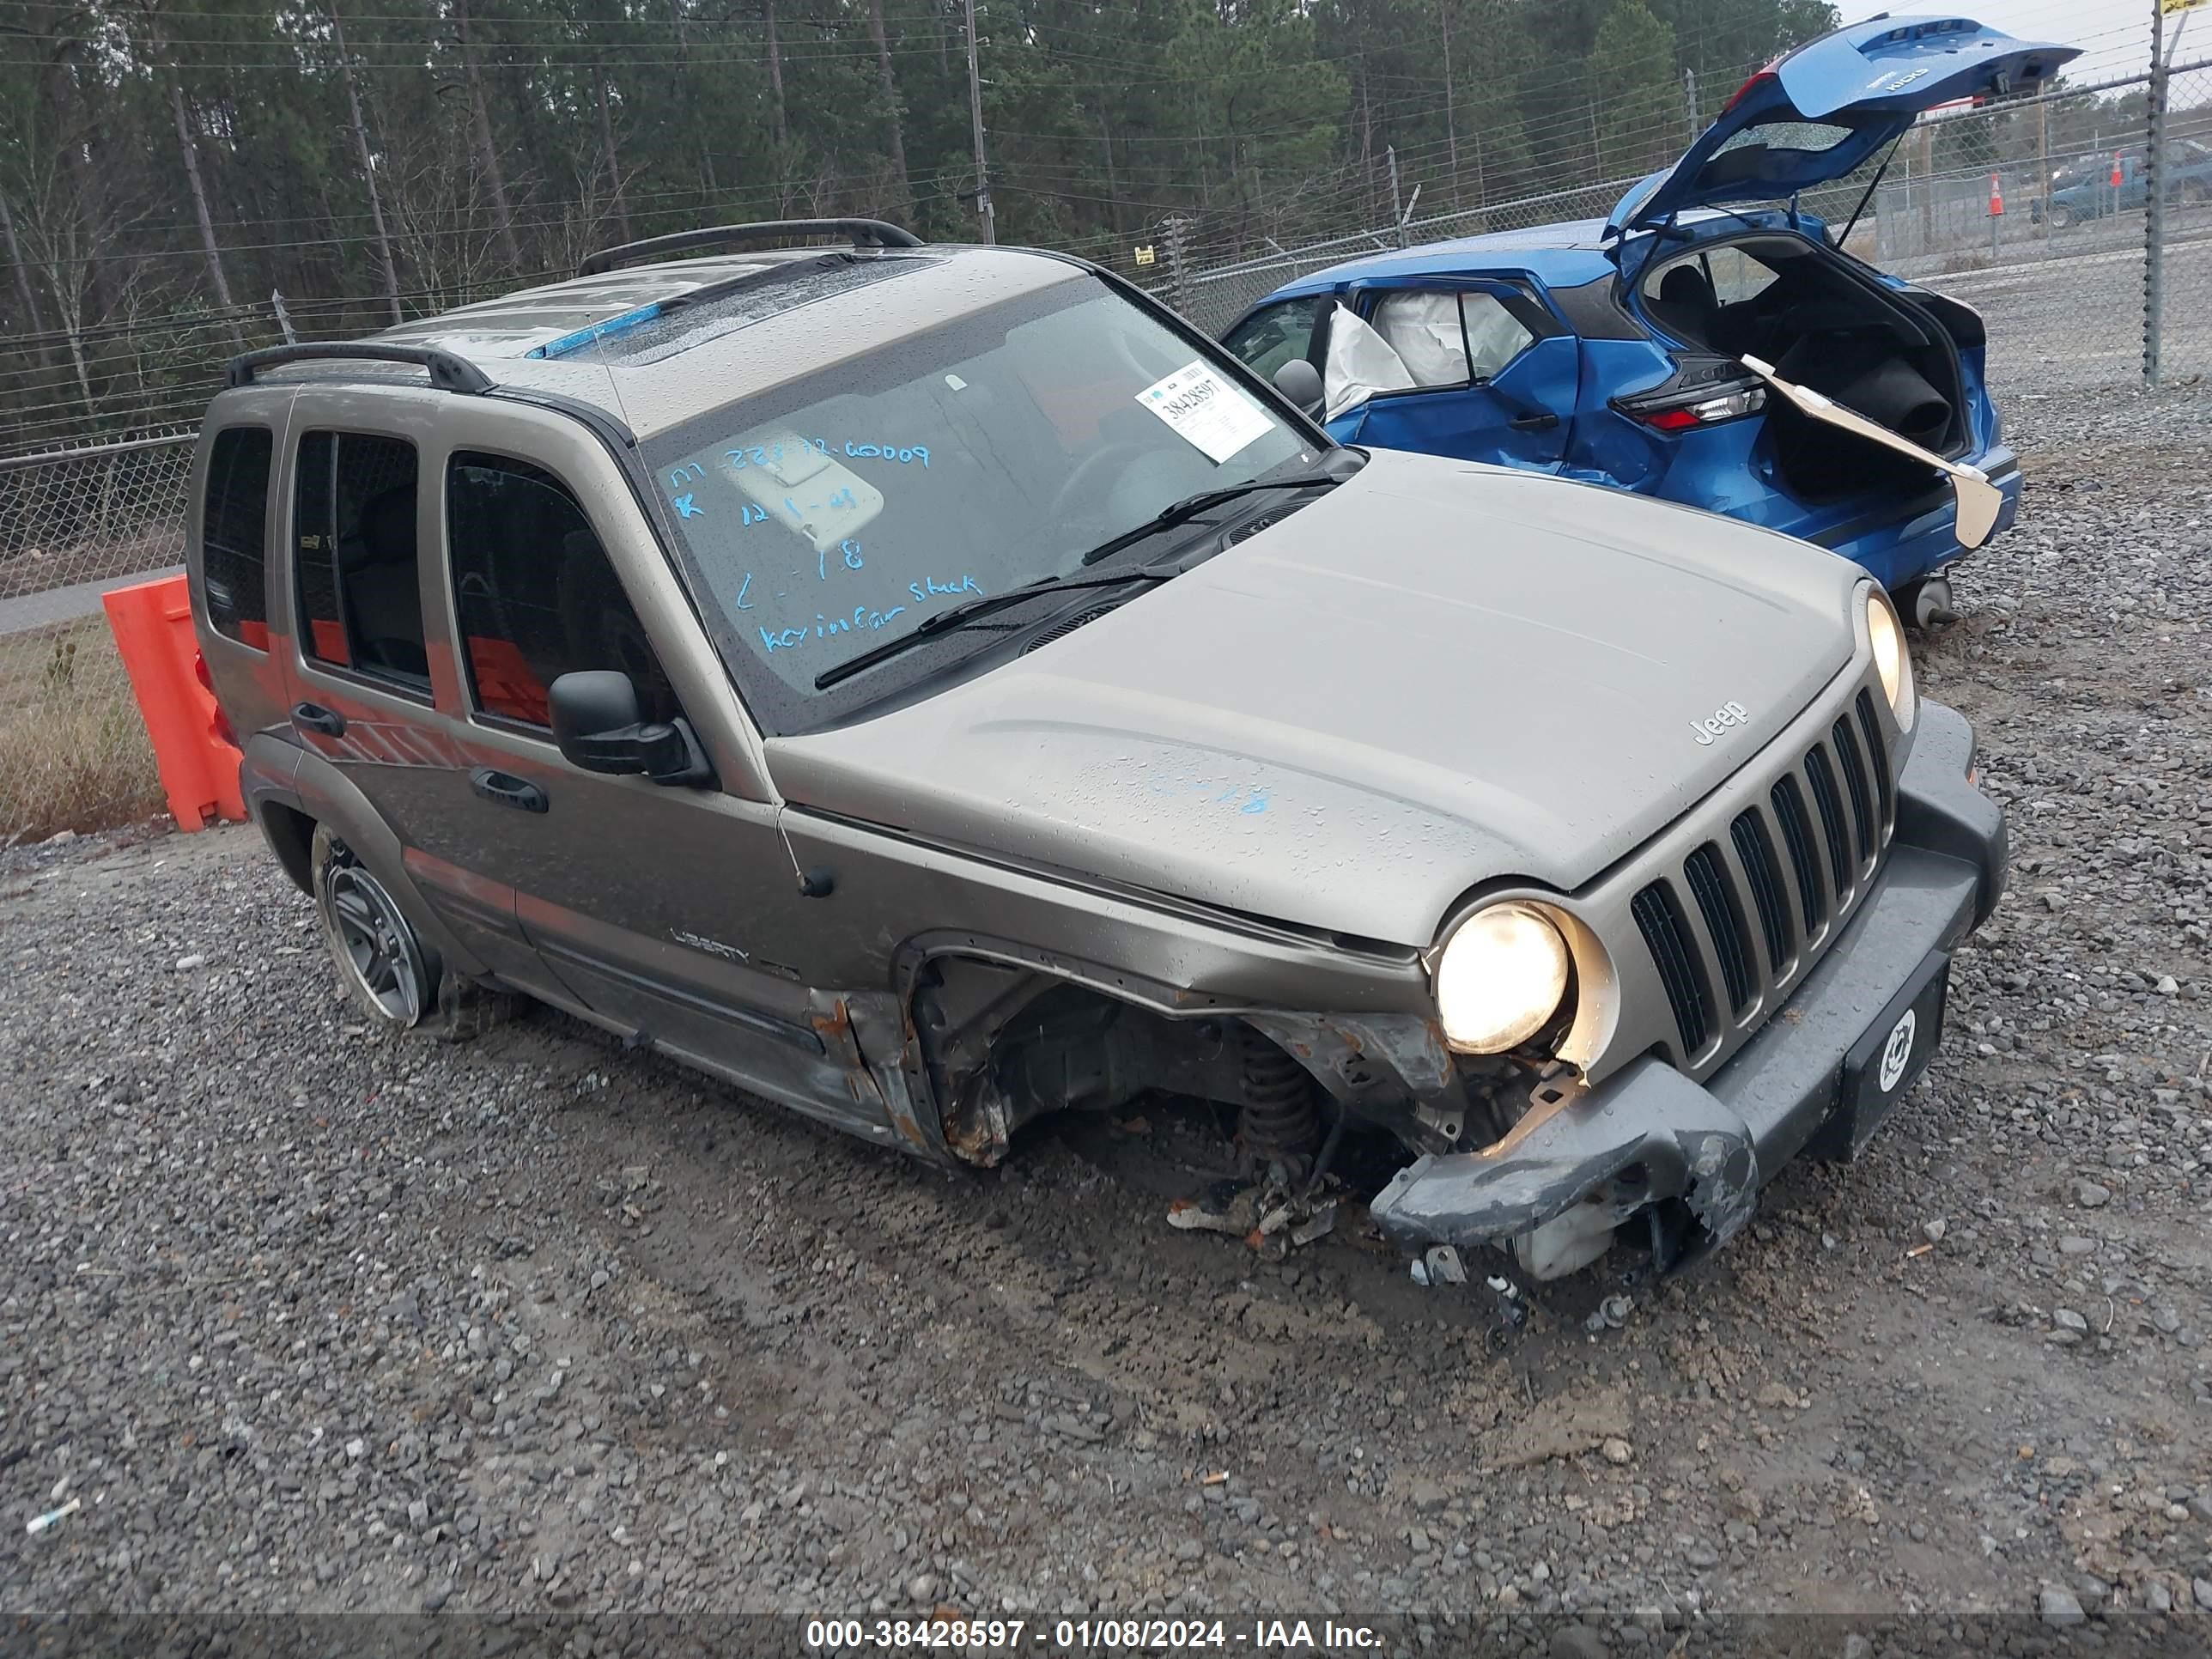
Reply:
x=1300, y=382
x=596, y=724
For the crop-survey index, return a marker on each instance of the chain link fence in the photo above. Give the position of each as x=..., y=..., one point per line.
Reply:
x=2179, y=341
x=73, y=750
x=2035, y=212
x=2085, y=245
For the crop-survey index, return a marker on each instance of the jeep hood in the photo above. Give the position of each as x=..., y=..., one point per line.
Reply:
x=1435, y=676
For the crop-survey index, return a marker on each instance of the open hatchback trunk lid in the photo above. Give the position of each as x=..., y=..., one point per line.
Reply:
x=1811, y=116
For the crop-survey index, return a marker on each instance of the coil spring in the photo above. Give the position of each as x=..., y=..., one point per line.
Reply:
x=1278, y=1116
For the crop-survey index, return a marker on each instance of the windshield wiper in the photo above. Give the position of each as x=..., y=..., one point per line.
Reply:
x=974, y=610
x=1191, y=506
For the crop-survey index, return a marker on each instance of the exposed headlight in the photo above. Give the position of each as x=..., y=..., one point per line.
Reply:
x=1891, y=659
x=1500, y=978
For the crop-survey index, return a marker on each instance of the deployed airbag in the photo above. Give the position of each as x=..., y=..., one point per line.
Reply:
x=1423, y=330
x=1360, y=363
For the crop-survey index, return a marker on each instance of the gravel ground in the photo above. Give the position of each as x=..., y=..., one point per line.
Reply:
x=309, y=1321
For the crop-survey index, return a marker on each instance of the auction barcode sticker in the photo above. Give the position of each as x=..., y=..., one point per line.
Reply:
x=1207, y=409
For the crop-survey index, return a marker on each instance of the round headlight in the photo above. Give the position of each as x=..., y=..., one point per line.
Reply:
x=1500, y=978
x=1891, y=660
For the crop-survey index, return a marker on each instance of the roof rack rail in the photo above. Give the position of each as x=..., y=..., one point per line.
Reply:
x=447, y=372
x=865, y=233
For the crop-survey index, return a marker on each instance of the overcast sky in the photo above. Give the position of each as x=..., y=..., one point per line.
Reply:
x=2114, y=34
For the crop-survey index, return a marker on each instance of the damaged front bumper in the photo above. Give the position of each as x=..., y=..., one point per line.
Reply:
x=1649, y=1139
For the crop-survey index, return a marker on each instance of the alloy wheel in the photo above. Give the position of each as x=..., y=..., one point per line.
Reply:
x=378, y=946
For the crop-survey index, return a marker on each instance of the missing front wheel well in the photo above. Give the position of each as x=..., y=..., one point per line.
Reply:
x=1005, y=1045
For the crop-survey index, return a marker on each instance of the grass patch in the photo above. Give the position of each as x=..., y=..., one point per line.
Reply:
x=73, y=753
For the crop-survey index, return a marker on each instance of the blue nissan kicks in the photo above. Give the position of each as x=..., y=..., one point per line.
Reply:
x=1696, y=345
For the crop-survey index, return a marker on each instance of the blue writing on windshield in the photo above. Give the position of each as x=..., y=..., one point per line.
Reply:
x=744, y=588
x=745, y=455
x=686, y=509
x=685, y=474
x=863, y=619
x=849, y=550
x=769, y=454
x=753, y=515
x=906, y=454
x=929, y=587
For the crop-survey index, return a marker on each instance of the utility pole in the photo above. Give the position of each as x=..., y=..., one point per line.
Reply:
x=2043, y=158
x=975, y=110
x=2154, y=201
x=1452, y=119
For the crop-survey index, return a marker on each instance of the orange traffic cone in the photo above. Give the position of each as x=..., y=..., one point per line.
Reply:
x=1997, y=197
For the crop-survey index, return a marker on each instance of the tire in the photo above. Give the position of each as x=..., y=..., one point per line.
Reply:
x=2062, y=217
x=1936, y=589
x=392, y=978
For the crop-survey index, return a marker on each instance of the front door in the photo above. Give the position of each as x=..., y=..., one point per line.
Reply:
x=1494, y=376
x=667, y=912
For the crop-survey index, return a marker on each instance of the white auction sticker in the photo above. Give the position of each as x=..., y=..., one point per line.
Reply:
x=1207, y=409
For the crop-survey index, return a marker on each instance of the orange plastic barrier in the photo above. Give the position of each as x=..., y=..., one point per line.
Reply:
x=153, y=626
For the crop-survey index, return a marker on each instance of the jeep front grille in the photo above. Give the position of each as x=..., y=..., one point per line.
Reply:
x=1750, y=907
x=1675, y=955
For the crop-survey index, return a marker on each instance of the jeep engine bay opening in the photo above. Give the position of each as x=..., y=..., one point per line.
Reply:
x=1824, y=324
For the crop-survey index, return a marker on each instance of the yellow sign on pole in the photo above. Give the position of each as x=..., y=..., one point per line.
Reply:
x=2170, y=7
x=1144, y=256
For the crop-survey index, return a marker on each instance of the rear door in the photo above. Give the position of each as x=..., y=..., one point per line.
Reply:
x=1494, y=374
x=354, y=515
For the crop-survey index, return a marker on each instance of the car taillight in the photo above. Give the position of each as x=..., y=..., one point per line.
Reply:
x=1683, y=417
x=1743, y=91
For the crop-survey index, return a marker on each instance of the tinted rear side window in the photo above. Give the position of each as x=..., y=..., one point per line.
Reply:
x=234, y=530
x=361, y=603
x=535, y=593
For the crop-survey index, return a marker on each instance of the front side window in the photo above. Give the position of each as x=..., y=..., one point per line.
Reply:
x=1270, y=338
x=234, y=529
x=354, y=551
x=993, y=452
x=535, y=594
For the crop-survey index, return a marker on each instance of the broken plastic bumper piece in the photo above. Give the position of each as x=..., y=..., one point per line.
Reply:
x=1980, y=503
x=1648, y=1133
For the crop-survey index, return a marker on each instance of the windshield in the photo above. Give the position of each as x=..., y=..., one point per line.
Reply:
x=846, y=508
